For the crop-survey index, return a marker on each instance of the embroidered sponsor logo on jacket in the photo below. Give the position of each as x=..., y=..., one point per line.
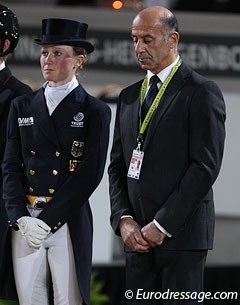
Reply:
x=78, y=120
x=25, y=121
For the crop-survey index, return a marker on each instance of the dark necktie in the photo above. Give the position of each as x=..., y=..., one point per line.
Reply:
x=151, y=94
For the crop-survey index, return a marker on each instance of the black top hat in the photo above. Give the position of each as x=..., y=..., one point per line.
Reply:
x=65, y=32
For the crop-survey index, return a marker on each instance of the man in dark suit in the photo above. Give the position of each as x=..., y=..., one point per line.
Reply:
x=164, y=161
x=10, y=87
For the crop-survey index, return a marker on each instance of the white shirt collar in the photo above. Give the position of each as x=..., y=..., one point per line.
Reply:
x=64, y=88
x=54, y=95
x=2, y=65
x=164, y=73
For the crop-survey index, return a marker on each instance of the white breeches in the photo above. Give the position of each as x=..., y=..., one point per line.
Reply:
x=33, y=268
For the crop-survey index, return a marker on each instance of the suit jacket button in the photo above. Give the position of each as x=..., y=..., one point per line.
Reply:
x=30, y=190
x=51, y=191
x=32, y=172
x=57, y=153
x=33, y=153
x=55, y=228
x=55, y=172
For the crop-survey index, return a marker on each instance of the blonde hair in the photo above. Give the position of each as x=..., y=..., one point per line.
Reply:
x=80, y=51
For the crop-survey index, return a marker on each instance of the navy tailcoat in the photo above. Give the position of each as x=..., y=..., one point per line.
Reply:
x=60, y=156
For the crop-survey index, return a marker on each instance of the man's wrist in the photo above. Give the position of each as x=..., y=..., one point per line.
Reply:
x=160, y=228
x=126, y=216
x=124, y=219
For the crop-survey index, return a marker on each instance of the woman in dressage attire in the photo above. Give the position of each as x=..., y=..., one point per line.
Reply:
x=57, y=141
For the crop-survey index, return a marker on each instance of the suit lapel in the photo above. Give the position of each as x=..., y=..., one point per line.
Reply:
x=135, y=118
x=173, y=88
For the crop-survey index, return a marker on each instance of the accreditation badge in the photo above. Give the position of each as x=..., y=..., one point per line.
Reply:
x=135, y=164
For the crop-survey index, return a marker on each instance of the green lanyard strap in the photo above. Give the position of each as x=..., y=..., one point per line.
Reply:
x=144, y=124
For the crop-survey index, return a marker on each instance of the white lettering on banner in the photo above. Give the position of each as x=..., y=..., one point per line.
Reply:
x=215, y=54
x=116, y=52
x=119, y=52
x=211, y=57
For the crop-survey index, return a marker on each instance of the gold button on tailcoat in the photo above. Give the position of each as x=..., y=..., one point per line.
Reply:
x=57, y=153
x=51, y=191
x=55, y=172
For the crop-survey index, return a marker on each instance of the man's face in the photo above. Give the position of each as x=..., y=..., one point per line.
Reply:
x=151, y=47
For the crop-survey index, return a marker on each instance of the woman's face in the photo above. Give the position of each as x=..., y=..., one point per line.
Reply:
x=59, y=64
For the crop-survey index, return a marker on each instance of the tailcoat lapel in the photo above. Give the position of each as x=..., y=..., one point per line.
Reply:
x=41, y=116
x=73, y=103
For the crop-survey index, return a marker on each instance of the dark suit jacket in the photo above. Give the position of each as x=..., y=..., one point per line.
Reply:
x=38, y=160
x=10, y=87
x=183, y=153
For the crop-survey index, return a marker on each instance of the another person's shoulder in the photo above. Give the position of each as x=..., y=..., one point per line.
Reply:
x=130, y=93
x=133, y=86
x=204, y=91
x=19, y=88
x=198, y=78
x=207, y=85
x=25, y=98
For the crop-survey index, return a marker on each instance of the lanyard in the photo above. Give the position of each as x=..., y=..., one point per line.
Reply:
x=151, y=110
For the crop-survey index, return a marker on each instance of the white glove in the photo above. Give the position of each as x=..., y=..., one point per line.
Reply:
x=34, y=230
